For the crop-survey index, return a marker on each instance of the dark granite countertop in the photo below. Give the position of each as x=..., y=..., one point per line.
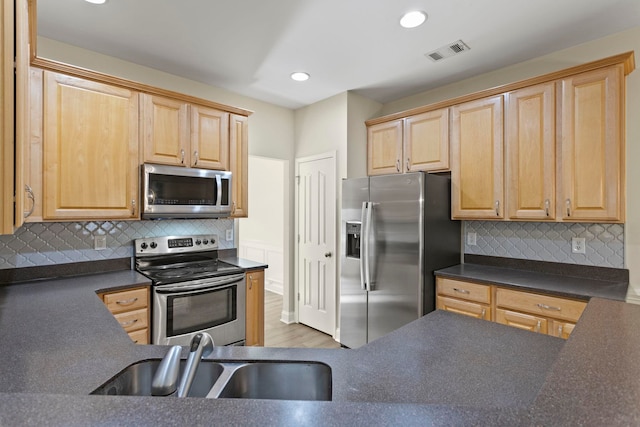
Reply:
x=244, y=263
x=555, y=284
x=59, y=342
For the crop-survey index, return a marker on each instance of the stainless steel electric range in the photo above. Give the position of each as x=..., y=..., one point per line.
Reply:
x=193, y=291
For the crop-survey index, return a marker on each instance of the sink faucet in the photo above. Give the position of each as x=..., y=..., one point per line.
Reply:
x=201, y=345
x=165, y=379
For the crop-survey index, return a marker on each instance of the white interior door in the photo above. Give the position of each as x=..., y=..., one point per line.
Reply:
x=316, y=206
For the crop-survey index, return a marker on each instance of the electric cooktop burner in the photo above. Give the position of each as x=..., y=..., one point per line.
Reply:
x=180, y=259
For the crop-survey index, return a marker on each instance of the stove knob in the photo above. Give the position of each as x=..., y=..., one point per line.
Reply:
x=198, y=242
x=213, y=241
x=154, y=245
x=143, y=245
x=205, y=241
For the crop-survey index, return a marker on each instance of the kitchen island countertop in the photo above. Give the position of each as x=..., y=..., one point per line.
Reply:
x=59, y=343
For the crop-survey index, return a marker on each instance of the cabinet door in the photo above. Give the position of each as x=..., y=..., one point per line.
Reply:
x=593, y=146
x=255, y=308
x=90, y=149
x=209, y=138
x=6, y=117
x=426, y=141
x=477, y=159
x=384, y=148
x=467, y=308
x=530, y=151
x=238, y=164
x=165, y=130
x=519, y=320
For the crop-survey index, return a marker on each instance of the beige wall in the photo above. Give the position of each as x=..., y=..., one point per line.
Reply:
x=359, y=109
x=618, y=43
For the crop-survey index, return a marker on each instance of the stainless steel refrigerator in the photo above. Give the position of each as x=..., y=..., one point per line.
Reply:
x=395, y=231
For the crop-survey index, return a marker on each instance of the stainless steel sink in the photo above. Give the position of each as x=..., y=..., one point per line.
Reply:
x=135, y=380
x=275, y=380
x=246, y=379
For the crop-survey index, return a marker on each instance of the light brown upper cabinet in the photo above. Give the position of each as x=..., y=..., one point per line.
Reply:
x=477, y=159
x=177, y=133
x=426, y=141
x=165, y=130
x=90, y=149
x=14, y=64
x=416, y=143
x=238, y=164
x=209, y=138
x=530, y=152
x=384, y=148
x=592, y=150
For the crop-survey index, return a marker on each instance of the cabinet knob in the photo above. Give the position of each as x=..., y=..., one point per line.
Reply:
x=195, y=156
x=497, y=207
x=568, y=203
x=398, y=165
x=133, y=206
x=328, y=254
x=408, y=164
x=182, y=156
x=547, y=203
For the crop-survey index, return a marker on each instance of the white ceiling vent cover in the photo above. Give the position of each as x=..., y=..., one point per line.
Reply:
x=448, y=50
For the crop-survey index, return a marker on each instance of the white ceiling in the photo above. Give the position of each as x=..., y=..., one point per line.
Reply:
x=252, y=46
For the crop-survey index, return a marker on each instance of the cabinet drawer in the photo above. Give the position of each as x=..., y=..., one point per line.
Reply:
x=524, y=321
x=140, y=337
x=472, y=309
x=542, y=305
x=133, y=320
x=464, y=290
x=133, y=299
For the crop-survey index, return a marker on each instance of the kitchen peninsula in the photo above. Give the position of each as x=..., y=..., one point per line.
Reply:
x=60, y=343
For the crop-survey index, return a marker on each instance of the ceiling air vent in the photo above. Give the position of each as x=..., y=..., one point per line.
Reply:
x=448, y=50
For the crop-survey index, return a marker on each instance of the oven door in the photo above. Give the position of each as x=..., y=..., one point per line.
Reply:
x=214, y=305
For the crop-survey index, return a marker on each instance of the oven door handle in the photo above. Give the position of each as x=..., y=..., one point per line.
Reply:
x=184, y=289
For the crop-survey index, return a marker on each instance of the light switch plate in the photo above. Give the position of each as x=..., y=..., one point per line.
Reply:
x=229, y=235
x=100, y=242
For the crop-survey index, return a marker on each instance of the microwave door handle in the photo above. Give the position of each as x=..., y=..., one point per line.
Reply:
x=219, y=194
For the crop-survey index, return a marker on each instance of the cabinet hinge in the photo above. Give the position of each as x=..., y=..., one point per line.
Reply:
x=298, y=296
x=298, y=238
x=298, y=179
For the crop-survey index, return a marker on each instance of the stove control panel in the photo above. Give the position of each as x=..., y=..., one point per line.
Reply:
x=175, y=244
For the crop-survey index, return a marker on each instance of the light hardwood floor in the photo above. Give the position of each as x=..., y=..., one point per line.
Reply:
x=278, y=334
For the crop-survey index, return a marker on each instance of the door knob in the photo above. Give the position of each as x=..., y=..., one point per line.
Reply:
x=327, y=255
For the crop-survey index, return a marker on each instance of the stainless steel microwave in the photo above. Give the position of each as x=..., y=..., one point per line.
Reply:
x=177, y=192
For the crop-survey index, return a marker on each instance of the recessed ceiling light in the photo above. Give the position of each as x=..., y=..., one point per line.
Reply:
x=96, y=1
x=300, y=76
x=413, y=19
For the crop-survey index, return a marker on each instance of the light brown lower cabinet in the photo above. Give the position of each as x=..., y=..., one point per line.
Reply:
x=130, y=307
x=524, y=321
x=468, y=308
x=255, y=308
x=531, y=311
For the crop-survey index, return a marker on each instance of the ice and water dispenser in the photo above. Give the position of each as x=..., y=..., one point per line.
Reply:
x=353, y=239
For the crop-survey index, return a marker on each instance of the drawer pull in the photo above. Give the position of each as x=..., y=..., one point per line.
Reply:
x=127, y=301
x=484, y=311
x=128, y=323
x=538, y=326
x=548, y=307
x=462, y=291
x=560, y=331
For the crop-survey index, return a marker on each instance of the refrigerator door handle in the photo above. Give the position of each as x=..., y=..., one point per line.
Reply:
x=367, y=265
x=363, y=243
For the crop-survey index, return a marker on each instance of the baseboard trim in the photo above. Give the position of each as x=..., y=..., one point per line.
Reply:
x=287, y=317
x=633, y=299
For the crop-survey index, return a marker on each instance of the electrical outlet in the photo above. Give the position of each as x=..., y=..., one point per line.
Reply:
x=99, y=242
x=471, y=238
x=578, y=245
x=229, y=235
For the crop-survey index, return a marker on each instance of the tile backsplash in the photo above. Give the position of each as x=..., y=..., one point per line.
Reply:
x=548, y=241
x=38, y=244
